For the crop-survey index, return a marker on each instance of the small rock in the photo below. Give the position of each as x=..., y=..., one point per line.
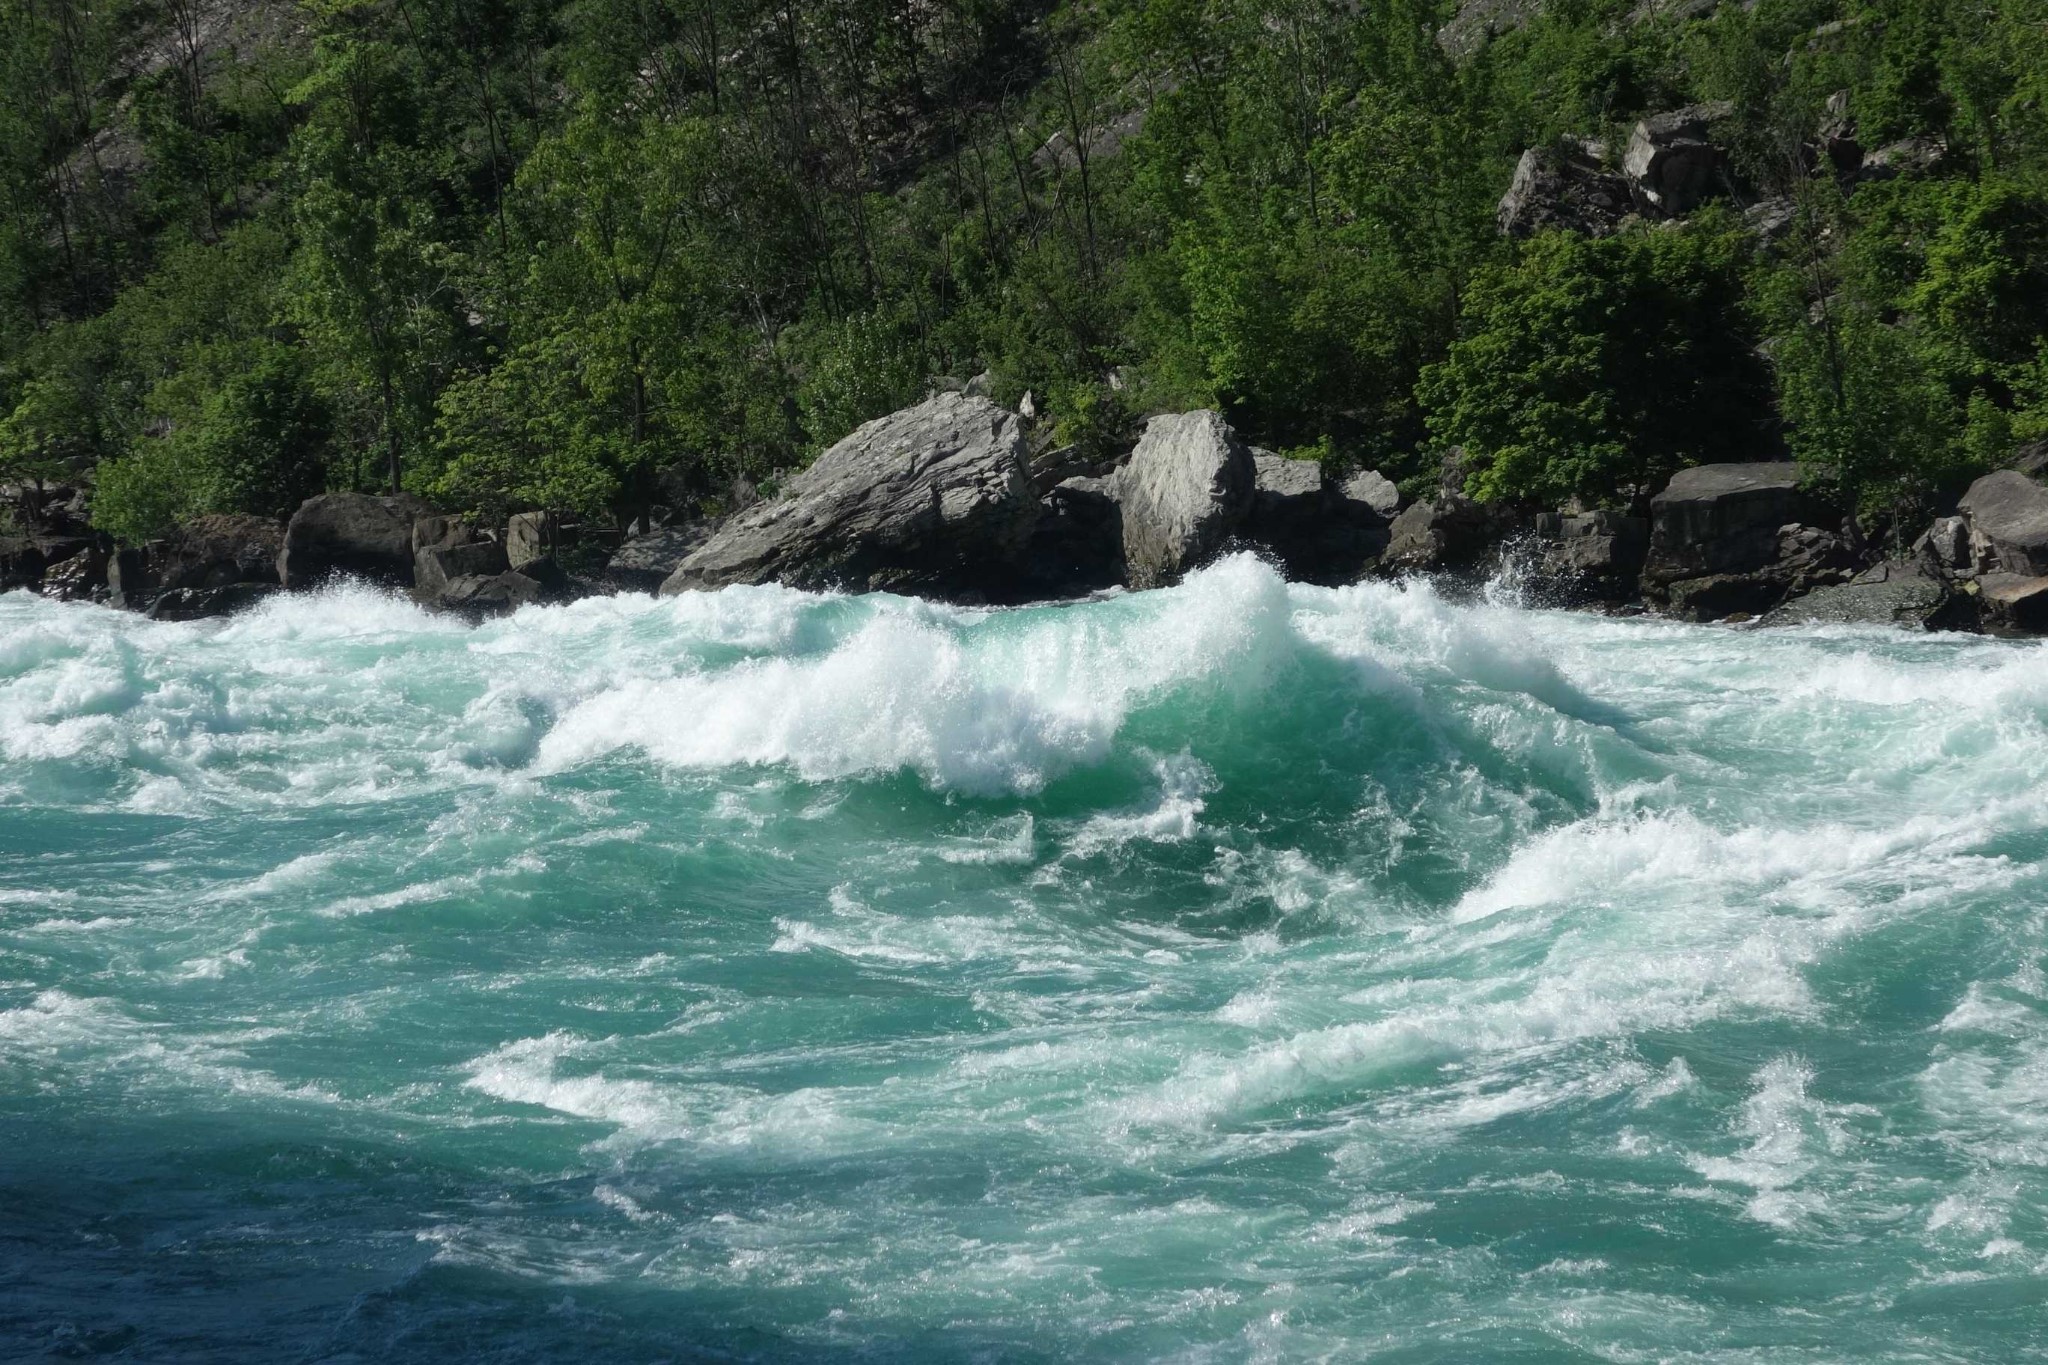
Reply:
x=193, y=604
x=1373, y=490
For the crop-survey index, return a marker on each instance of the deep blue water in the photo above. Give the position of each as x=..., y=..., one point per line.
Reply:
x=1235, y=972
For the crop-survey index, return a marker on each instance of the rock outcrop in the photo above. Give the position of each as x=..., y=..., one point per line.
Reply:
x=1724, y=518
x=1671, y=162
x=1448, y=533
x=936, y=499
x=1565, y=187
x=2007, y=515
x=1586, y=558
x=644, y=563
x=1904, y=593
x=1077, y=546
x=351, y=534
x=1186, y=489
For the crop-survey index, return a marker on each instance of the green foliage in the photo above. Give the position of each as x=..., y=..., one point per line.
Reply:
x=257, y=443
x=1595, y=368
x=515, y=253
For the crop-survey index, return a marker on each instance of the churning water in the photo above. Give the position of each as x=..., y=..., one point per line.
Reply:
x=1236, y=972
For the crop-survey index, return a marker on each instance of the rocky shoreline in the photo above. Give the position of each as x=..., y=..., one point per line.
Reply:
x=955, y=499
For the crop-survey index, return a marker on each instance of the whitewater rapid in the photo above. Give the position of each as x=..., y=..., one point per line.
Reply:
x=1238, y=971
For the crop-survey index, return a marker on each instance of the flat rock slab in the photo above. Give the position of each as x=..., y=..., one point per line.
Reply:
x=1894, y=594
x=936, y=500
x=1724, y=519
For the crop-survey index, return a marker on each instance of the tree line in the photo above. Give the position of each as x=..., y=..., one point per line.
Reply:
x=609, y=256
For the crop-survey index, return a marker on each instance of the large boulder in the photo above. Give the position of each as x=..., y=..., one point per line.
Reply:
x=1077, y=545
x=1565, y=187
x=1724, y=519
x=2008, y=520
x=1321, y=531
x=1586, y=558
x=2013, y=604
x=936, y=499
x=1896, y=593
x=645, y=562
x=1185, y=490
x=1671, y=161
x=1447, y=533
x=216, y=550
x=195, y=604
x=352, y=534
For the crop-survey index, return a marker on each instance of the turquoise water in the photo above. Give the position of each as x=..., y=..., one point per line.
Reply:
x=1241, y=971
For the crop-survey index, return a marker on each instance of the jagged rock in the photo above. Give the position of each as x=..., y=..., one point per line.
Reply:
x=644, y=562
x=530, y=536
x=1895, y=593
x=2013, y=604
x=1077, y=545
x=131, y=584
x=22, y=562
x=1451, y=532
x=213, y=551
x=1565, y=187
x=480, y=595
x=1914, y=155
x=934, y=499
x=2008, y=516
x=1946, y=542
x=1587, y=557
x=77, y=578
x=1372, y=490
x=1186, y=488
x=1479, y=22
x=441, y=533
x=1717, y=597
x=1724, y=519
x=194, y=604
x=436, y=567
x=1671, y=161
x=354, y=534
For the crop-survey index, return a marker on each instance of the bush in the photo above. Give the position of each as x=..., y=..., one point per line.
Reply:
x=257, y=444
x=1593, y=368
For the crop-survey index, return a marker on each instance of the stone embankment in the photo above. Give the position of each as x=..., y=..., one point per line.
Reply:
x=956, y=500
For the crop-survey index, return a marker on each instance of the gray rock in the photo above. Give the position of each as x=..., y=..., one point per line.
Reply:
x=645, y=562
x=213, y=551
x=1565, y=187
x=2013, y=604
x=1719, y=597
x=1897, y=593
x=935, y=499
x=439, y=533
x=194, y=604
x=1724, y=519
x=1479, y=22
x=78, y=577
x=1587, y=558
x=1446, y=533
x=481, y=595
x=530, y=536
x=1946, y=542
x=1672, y=162
x=1373, y=491
x=1077, y=545
x=352, y=534
x=1186, y=488
x=2008, y=516
x=434, y=568
x=130, y=584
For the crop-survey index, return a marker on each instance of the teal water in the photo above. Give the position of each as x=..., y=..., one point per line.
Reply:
x=1241, y=971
